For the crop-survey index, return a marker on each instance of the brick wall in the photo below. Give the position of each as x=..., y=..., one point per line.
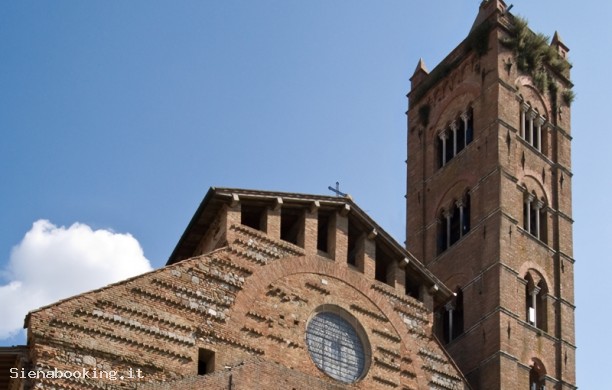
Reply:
x=247, y=302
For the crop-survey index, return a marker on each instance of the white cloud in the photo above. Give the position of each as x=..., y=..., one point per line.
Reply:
x=53, y=263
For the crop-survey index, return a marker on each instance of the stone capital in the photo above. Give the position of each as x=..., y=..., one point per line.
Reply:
x=531, y=114
x=524, y=106
x=449, y=306
x=535, y=290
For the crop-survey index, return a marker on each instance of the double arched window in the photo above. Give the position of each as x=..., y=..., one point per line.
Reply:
x=537, y=375
x=454, y=222
x=455, y=137
x=534, y=216
x=536, y=291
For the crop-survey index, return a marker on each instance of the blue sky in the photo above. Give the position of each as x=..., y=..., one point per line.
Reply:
x=120, y=115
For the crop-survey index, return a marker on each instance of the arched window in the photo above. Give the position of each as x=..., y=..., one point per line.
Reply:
x=454, y=138
x=461, y=139
x=537, y=376
x=535, y=301
x=469, y=130
x=532, y=126
x=453, y=317
x=454, y=222
x=535, y=217
x=442, y=148
x=465, y=225
x=442, y=231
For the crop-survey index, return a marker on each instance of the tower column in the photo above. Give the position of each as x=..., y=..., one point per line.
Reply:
x=539, y=122
x=533, y=314
x=338, y=235
x=528, y=199
x=450, y=308
x=536, y=209
x=459, y=204
x=448, y=215
x=443, y=137
x=366, y=254
x=524, y=109
x=531, y=115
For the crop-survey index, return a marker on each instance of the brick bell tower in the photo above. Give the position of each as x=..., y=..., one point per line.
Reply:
x=489, y=207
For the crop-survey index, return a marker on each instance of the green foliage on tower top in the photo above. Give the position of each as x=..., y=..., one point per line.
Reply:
x=536, y=57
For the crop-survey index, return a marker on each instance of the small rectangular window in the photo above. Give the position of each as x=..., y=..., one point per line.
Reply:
x=206, y=361
x=322, y=232
x=252, y=216
x=353, y=237
x=290, y=225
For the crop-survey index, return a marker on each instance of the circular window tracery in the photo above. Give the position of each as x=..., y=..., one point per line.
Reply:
x=336, y=347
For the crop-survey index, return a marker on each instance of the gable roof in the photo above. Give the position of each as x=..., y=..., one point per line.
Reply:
x=216, y=198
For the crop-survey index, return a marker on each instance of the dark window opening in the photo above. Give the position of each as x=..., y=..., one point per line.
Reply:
x=530, y=310
x=383, y=260
x=290, y=225
x=413, y=287
x=467, y=208
x=449, y=147
x=458, y=315
x=544, y=141
x=541, y=320
x=455, y=224
x=442, y=233
x=440, y=152
x=323, y=233
x=206, y=361
x=543, y=225
x=526, y=132
x=469, y=133
x=353, y=237
x=252, y=216
x=461, y=140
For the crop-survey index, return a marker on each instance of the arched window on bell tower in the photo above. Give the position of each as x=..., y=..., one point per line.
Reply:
x=537, y=376
x=453, y=222
x=536, y=290
x=442, y=229
x=453, y=317
x=533, y=127
x=454, y=137
x=535, y=216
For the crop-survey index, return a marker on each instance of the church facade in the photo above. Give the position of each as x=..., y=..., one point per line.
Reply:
x=273, y=290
